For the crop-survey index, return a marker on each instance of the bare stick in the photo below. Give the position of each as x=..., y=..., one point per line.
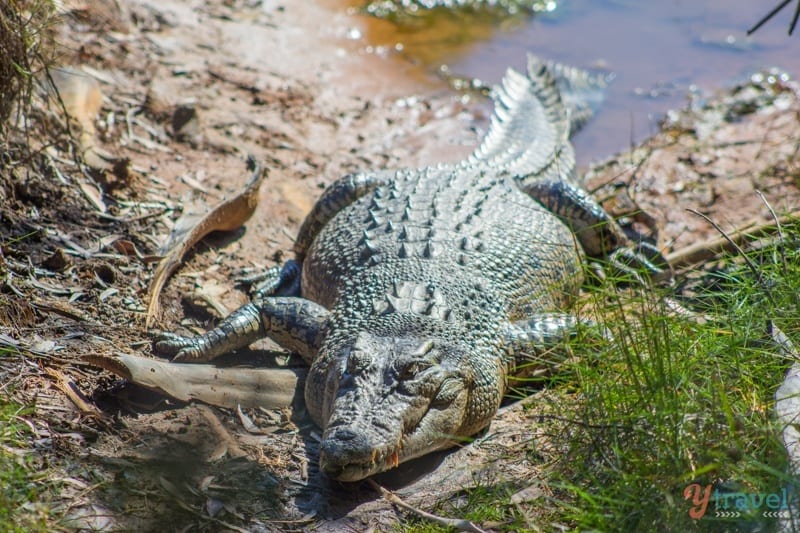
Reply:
x=769, y=16
x=702, y=251
x=270, y=388
x=455, y=523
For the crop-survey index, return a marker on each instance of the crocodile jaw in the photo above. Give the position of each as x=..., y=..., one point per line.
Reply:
x=372, y=426
x=353, y=453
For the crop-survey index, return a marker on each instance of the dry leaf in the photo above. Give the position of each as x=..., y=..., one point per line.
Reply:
x=227, y=216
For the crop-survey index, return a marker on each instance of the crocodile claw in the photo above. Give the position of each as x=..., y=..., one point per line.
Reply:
x=641, y=261
x=177, y=347
x=274, y=281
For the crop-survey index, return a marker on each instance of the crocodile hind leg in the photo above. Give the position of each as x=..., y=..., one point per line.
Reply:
x=537, y=345
x=336, y=197
x=294, y=323
x=597, y=231
x=283, y=280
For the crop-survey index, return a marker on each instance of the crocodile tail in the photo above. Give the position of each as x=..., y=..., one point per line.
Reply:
x=529, y=124
x=582, y=92
x=534, y=117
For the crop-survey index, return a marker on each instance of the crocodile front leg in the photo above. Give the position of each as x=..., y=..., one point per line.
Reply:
x=537, y=345
x=296, y=324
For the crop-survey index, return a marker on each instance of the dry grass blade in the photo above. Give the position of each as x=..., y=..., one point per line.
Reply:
x=25, y=50
x=455, y=523
x=270, y=388
x=227, y=216
x=749, y=262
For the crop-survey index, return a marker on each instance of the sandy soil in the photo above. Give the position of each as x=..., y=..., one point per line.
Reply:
x=188, y=89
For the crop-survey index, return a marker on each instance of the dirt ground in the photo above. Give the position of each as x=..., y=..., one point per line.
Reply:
x=172, y=97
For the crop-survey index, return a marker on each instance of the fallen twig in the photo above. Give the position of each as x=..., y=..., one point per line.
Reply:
x=703, y=251
x=67, y=386
x=456, y=523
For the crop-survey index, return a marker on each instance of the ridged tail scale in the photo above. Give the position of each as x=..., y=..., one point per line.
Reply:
x=534, y=117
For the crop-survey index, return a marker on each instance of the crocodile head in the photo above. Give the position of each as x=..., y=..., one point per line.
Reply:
x=388, y=399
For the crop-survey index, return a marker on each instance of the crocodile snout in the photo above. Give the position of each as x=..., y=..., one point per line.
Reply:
x=347, y=454
x=343, y=446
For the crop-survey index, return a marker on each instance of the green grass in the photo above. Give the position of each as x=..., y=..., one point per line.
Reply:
x=669, y=403
x=24, y=485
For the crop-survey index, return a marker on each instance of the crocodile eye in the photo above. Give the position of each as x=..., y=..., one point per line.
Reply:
x=411, y=369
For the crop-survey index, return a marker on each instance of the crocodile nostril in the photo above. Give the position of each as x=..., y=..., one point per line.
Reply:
x=344, y=434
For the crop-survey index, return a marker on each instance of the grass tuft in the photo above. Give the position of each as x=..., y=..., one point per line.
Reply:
x=26, y=48
x=24, y=485
x=673, y=402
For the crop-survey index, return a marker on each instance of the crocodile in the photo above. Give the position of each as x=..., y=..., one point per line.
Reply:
x=415, y=295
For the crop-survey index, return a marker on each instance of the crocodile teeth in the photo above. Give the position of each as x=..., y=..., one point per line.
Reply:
x=393, y=460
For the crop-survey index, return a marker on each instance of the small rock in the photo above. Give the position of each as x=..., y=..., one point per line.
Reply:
x=532, y=493
x=57, y=261
x=186, y=124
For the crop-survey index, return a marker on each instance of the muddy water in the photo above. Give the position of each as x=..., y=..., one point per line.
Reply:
x=659, y=52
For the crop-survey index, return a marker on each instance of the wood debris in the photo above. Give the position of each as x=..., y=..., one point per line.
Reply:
x=227, y=216
x=271, y=388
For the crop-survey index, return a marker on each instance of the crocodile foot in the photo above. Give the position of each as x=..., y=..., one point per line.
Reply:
x=176, y=347
x=641, y=261
x=274, y=281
